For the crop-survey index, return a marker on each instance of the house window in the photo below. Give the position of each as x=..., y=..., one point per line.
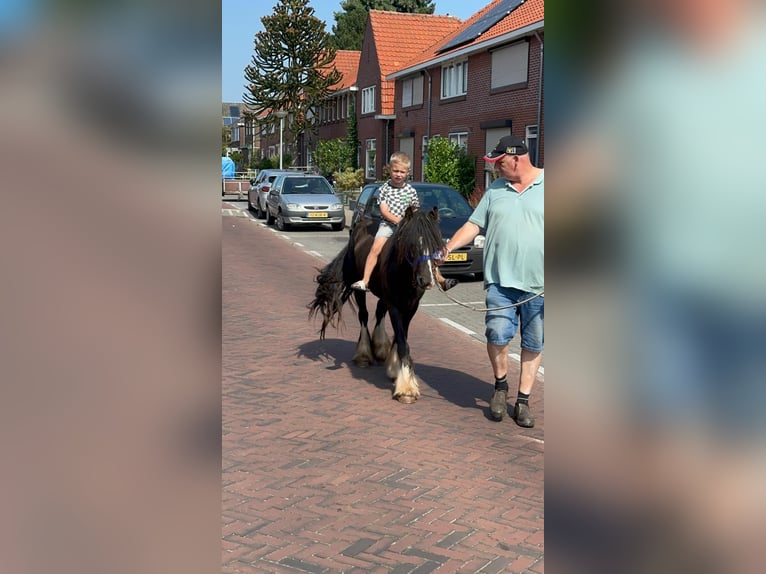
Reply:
x=371, y=158
x=459, y=138
x=531, y=141
x=412, y=91
x=234, y=111
x=368, y=100
x=510, y=65
x=455, y=79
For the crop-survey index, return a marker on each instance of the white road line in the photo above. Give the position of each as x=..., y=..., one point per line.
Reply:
x=298, y=244
x=314, y=253
x=457, y=326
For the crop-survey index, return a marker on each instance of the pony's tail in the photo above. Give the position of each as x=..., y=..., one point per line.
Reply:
x=331, y=293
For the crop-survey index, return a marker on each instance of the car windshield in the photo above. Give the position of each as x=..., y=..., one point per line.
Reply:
x=295, y=186
x=449, y=202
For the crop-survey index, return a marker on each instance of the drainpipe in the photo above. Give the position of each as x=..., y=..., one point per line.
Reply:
x=428, y=120
x=539, y=101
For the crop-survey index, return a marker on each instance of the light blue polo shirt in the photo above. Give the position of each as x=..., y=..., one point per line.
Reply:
x=515, y=236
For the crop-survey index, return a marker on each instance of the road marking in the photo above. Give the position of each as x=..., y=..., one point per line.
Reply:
x=313, y=252
x=457, y=326
x=299, y=244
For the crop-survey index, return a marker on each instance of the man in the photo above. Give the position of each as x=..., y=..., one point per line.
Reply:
x=512, y=213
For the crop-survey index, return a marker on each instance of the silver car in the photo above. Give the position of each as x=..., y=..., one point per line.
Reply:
x=302, y=199
x=259, y=190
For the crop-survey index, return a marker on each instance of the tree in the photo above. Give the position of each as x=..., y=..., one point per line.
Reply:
x=449, y=164
x=225, y=139
x=292, y=67
x=348, y=30
x=352, y=135
x=333, y=155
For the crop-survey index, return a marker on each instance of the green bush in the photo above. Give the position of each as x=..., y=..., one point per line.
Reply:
x=348, y=179
x=451, y=165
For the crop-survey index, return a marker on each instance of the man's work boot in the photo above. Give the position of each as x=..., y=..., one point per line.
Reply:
x=522, y=417
x=498, y=405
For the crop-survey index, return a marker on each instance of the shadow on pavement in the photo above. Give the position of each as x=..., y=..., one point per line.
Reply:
x=455, y=386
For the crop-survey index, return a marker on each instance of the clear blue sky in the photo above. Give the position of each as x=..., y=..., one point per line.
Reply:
x=241, y=19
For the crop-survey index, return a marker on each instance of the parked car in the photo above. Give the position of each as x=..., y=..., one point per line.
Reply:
x=302, y=199
x=259, y=190
x=454, y=211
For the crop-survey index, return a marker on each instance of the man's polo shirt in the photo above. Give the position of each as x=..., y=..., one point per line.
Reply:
x=515, y=237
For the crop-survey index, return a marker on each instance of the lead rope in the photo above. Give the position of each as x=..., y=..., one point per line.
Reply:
x=484, y=309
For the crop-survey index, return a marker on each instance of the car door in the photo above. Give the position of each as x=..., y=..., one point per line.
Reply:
x=272, y=200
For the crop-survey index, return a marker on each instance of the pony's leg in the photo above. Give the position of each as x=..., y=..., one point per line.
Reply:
x=406, y=388
x=363, y=354
x=380, y=341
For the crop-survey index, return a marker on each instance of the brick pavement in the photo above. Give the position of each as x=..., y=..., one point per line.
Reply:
x=324, y=472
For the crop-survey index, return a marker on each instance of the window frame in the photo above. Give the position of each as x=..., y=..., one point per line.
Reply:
x=370, y=153
x=368, y=100
x=460, y=138
x=454, y=79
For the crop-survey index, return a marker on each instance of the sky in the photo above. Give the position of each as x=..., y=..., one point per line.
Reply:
x=241, y=19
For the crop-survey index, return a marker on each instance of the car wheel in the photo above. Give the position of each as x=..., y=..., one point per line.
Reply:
x=259, y=212
x=269, y=218
x=338, y=226
x=281, y=223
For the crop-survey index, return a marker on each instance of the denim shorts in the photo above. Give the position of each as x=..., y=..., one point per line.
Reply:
x=385, y=230
x=501, y=325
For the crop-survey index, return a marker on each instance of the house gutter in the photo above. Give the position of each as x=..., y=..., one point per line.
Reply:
x=539, y=101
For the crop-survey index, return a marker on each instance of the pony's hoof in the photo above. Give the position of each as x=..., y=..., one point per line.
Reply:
x=406, y=399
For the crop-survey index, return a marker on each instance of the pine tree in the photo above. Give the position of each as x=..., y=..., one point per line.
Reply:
x=348, y=30
x=292, y=67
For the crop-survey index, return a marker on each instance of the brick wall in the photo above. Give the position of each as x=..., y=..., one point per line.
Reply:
x=367, y=126
x=467, y=113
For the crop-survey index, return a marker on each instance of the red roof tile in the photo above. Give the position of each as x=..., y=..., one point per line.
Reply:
x=399, y=37
x=347, y=63
x=529, y=12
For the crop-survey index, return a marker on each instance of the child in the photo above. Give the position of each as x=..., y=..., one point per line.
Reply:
x=396, y=195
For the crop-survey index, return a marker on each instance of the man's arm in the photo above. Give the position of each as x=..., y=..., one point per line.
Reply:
x=463, y=236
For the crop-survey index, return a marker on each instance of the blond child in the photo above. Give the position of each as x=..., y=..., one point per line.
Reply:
x=396, y=195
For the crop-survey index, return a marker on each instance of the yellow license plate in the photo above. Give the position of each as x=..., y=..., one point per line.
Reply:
x=457, y=257
x=318, y=214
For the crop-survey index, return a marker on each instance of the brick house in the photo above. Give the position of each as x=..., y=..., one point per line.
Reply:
x=477, y=83
x=391, y=40
x=333, y=115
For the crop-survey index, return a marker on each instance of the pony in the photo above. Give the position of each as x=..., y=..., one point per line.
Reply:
x=402, y=275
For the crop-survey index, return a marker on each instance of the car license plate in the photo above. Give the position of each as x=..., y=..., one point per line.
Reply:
x=457, y=257
x=318, y=214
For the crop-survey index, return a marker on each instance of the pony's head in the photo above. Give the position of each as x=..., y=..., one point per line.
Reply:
x=417, y=240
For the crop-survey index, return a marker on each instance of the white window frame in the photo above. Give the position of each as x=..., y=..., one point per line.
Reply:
x=460, y=138
x=371, y=157
x=368, y=100
x=454, y=79
x=412, y=91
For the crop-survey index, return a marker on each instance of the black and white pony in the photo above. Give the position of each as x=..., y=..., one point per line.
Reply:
x=402, y=275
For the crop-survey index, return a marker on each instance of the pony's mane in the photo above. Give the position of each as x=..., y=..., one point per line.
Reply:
x=416, y=233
